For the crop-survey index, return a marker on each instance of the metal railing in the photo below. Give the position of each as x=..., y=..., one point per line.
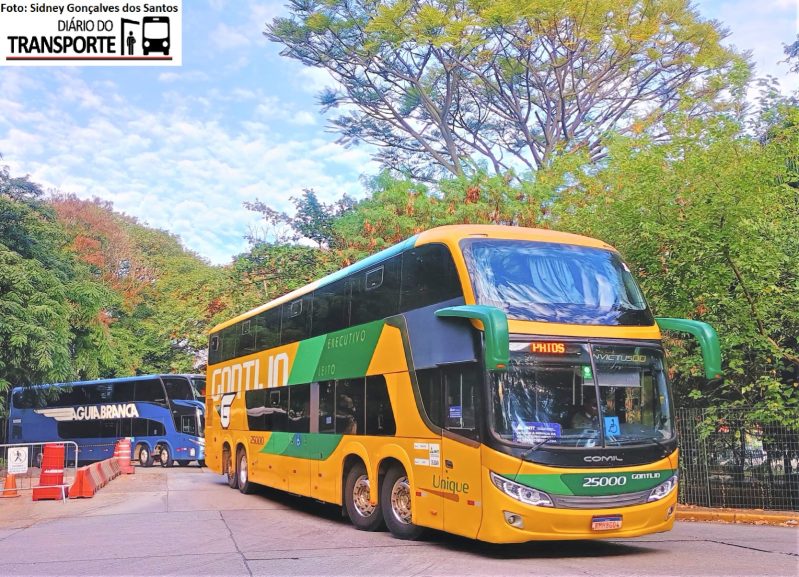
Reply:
x=24, y=462
x=729, y=460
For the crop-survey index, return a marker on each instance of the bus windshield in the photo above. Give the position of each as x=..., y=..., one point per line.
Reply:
x=551, y=282
x=552, y=394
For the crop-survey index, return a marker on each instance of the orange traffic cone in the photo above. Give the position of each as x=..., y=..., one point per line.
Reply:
x=10, y=487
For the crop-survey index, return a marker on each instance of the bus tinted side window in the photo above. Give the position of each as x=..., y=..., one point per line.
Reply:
x=430, y=389
x=331, y=308
x=105, y=428
x=379, y=415
x=146, y=428
x=150, y=391
x=296, y=319
x=429, y=276
x=267, y=329
x=349, y=407
x=327, y=407
x=178, y=388
x=375, y=292
x=124, y=392
x=299, y=417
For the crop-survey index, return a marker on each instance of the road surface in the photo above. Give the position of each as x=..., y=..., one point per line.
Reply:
x=186, y=521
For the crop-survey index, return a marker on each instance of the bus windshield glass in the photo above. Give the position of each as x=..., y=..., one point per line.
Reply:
x=551, y=282
x=553, y=395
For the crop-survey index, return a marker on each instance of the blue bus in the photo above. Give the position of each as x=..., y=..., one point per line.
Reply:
x=163, y=414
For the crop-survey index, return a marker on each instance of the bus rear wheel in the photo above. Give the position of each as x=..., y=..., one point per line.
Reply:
x=357, y=491
x=232, y=478
x=145, y=456
x=243, y=473
x=166, y=458
x=395, y=500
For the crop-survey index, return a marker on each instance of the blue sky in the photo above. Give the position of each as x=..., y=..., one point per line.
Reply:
x=182, y=148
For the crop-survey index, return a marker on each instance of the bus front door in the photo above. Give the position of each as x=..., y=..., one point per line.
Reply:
x=460, y=481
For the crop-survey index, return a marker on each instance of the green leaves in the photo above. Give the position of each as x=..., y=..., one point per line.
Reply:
x=444, y=86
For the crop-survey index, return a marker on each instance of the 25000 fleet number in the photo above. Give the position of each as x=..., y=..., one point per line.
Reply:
x=604, y=481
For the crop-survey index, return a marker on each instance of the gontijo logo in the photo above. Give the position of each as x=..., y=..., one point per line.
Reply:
x=92, y=33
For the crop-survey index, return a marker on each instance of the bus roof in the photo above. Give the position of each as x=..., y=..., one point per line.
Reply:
x=449, y=235
x=111, y=380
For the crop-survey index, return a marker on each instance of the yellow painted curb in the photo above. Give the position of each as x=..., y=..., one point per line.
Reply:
x=738, y=516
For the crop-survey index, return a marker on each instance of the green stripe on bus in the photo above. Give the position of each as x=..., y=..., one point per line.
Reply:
x=307, y=360
x=314, y=446
x=588, y=484
x=348, y=353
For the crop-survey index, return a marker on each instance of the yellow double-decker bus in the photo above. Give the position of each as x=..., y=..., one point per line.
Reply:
x=501, y=383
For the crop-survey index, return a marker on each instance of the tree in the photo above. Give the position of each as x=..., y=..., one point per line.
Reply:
x=312, y=220
x=449, y=86
x=50, y=308
x=708, y=222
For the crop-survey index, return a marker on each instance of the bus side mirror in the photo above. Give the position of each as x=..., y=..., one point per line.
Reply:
x=495, y=329
x=708, y=341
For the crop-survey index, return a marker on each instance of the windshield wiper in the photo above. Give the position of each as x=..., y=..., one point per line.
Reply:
x=638, y=441
x=540, y=444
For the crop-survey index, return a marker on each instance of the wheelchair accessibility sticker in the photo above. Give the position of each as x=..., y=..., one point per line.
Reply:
x=612, y=426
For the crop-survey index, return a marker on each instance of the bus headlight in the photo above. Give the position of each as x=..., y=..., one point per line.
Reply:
x=663, y=489
x=526, y=495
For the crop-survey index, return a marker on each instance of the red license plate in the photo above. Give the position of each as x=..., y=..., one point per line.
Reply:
x=607, y=523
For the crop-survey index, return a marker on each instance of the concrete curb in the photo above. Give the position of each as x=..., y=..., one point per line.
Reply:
x=751, y=516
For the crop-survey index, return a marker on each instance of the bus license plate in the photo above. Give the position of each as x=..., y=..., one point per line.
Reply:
x=607, y=523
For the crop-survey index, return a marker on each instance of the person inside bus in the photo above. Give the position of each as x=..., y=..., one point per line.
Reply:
x=587, y=417
x=346, y=422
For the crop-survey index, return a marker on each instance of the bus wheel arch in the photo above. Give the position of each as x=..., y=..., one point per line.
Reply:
x=242, y=470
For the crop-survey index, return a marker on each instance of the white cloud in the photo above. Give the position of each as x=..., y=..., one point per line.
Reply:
x=225, y=37
x=761, y=29
x=183, y=172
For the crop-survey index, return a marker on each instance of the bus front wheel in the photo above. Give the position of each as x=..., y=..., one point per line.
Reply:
x=145, y=457
x=357, y=491
x=244, y=479
x=395, y=500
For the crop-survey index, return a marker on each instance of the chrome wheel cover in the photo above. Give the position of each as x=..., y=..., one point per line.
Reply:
x=360, y=497
x=401, y=500
x=243, y=471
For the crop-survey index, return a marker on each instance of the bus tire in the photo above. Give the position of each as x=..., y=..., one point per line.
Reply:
x=357, y=490
x=243, y=473
x=395, y=500
x=201, y=462
x=232, y=477
x=145, y=456
x=166, y=458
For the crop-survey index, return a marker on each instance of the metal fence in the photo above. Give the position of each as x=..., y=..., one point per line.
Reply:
x=729, y=460
x=24, y=462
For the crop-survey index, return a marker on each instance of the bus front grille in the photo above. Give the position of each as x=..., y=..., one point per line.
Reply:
x=600, y=502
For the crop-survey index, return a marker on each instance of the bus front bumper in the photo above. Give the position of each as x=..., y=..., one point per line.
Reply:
x=509, y=521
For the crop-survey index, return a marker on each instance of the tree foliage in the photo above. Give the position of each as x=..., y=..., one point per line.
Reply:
x=450, y=86
x=50, y=321
x=708, y=221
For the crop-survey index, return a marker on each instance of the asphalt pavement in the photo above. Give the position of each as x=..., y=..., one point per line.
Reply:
x=186, y=521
